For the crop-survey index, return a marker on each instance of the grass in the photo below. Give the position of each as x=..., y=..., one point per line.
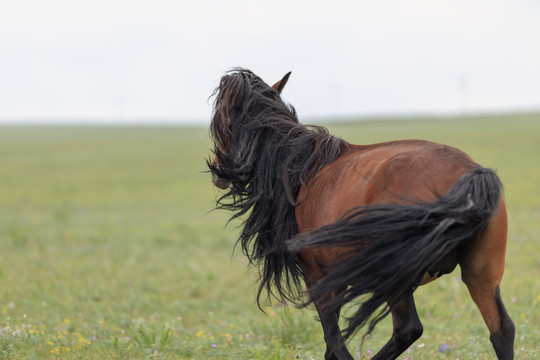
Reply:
x=110, y=250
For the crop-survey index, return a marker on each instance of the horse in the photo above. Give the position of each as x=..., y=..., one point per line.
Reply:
x=355, y=224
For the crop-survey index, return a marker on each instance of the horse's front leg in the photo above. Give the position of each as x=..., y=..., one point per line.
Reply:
x=335, y=344
x=311, y=261
x=407, y=329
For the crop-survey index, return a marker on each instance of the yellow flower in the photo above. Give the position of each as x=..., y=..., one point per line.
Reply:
x=199, y=333
x=82, y=340
x=269, y=311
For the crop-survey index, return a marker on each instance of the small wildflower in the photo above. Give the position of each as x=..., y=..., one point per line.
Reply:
x=214, y=345
x=443, y=348
x=199, y=333
x=421, y=345
x=269, y=311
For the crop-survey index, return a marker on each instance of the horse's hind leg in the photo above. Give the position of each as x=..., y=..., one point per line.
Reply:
x=501, y=328
x=482, y=268
x=487, y=297
x=407, y=329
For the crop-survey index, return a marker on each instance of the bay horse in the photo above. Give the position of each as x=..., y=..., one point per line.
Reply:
x=355, y=223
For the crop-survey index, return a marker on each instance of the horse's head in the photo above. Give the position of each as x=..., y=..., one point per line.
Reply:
x=220, y=182
x=234, y=99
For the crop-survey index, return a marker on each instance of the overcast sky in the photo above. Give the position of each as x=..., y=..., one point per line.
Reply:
x=127, y=60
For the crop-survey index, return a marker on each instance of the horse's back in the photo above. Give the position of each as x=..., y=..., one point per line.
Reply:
x=392, y=172
x=397, y=172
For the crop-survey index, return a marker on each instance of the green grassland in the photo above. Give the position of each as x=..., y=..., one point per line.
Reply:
x=110, y=249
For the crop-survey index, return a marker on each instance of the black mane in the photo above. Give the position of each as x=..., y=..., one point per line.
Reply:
x=267, y=155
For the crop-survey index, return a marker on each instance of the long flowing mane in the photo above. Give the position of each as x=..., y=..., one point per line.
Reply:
x=267, y=156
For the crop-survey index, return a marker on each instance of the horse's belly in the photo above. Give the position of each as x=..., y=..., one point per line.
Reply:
x=445, y=266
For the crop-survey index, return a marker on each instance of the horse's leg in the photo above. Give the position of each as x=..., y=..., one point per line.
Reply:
x=407, y=329
x=501, y=328
x=482, y=268
x=335, y=345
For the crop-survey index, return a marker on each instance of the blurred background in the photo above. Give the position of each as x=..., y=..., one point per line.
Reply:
x=137, y=61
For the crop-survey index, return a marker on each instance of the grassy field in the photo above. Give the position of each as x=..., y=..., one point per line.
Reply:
x=110, y=250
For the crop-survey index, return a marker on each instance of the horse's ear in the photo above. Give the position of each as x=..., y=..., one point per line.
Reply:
x=281, y=83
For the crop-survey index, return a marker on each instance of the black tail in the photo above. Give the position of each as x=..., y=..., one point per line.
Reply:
x=393, y=246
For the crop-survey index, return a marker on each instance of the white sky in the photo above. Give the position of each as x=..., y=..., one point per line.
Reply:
x=127, y=60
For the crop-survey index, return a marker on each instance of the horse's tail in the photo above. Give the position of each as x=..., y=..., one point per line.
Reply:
x=392, y=246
